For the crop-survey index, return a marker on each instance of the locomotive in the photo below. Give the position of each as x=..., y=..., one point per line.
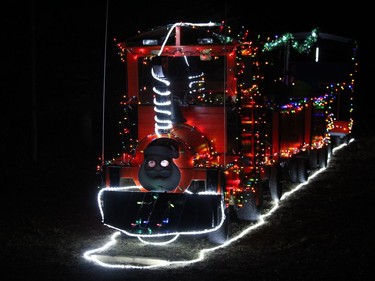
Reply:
x=211, y=123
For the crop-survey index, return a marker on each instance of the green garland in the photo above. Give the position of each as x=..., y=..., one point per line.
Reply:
x=305, y=46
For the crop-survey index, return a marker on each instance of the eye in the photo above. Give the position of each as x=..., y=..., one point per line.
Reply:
x=151, y=163
x=164, y=163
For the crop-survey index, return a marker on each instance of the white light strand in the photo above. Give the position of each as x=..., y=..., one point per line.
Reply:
x=167, y=112
x=196, y=76
x=186, y=61
x=164, y=103
x=163, y=121
x=160, y=79
x=191, y=84
x=158, y=128
x=90, y=255
x=196, y=82
x=161, y=124
x=159, y=243
x=161, y=93
x=183, y=24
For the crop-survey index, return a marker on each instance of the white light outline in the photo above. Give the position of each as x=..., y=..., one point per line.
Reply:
x=186, y=61
x=159, y=125
x=183, y=24
x=163, y=121
x=159, y=243
x=160, y=93
x=160, y=79
x=165, y=103
x=167, y=112
x=90, y=255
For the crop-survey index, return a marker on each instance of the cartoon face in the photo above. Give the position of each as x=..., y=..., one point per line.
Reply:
x=158, y=172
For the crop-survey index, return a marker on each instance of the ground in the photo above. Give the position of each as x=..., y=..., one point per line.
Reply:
x=323, y=231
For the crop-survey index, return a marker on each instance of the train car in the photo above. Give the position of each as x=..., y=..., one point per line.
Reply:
x=316, y=73
x=319, y=65
x=210, y=125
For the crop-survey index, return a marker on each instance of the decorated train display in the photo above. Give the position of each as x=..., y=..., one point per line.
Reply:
x=211, y=124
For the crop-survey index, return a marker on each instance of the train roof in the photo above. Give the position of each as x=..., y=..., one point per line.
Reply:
x=186, y=33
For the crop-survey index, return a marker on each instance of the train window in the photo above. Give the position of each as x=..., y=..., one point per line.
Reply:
x=192, y=81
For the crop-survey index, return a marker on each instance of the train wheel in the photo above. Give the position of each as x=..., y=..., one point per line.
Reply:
x=302, y=170
x=313, y=159
x=346, y=139
x=221, y=235
x=329, y=150
x=274, y=183
x=249, y=210
x=293, y=171
x=323, y=157
x=338, y=141
x=259, y=197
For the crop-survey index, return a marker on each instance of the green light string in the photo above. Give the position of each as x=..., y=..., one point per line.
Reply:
x=305, y=46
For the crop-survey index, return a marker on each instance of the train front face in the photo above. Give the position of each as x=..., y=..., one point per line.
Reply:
x=168, y=195
x=173, y=182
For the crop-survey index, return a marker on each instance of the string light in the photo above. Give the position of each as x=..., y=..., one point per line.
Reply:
x=96, y=257
x=162, y=107
x=303, y=47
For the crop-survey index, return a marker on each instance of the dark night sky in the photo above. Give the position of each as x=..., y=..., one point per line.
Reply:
x=54, y=52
